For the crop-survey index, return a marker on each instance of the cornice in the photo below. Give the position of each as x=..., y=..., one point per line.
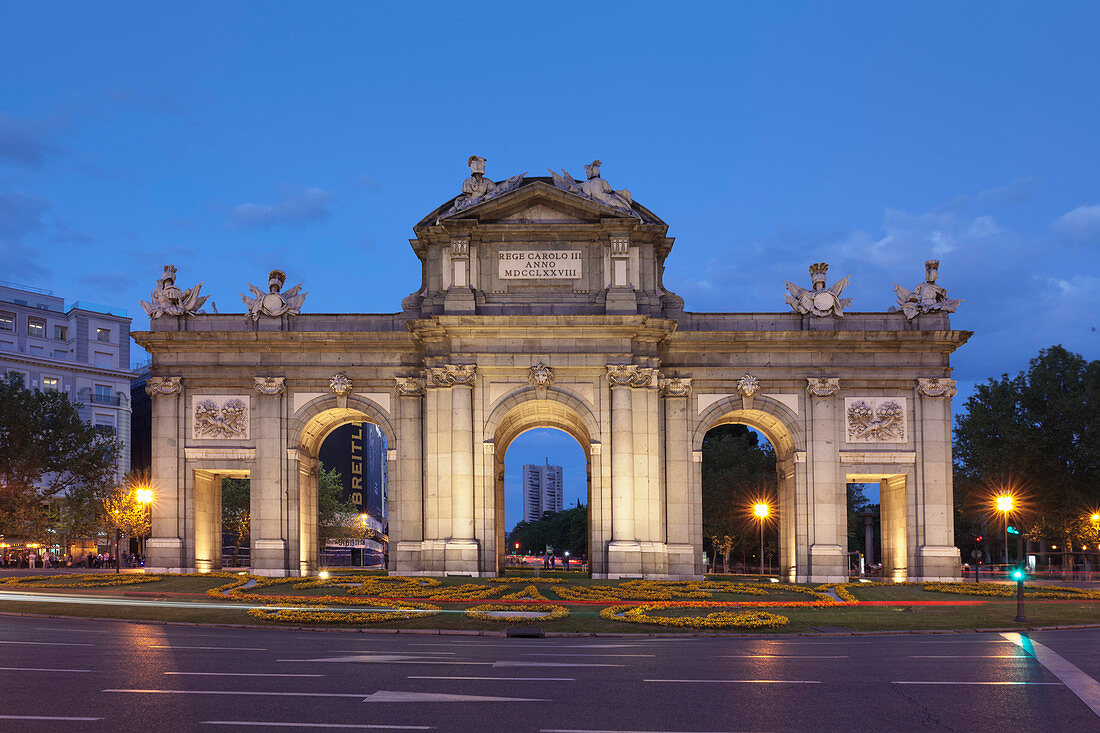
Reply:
x=69, y=366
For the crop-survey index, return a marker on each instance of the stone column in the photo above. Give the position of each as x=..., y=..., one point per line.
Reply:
x=935, y=555
x=682, y=536
x=460, y=548
x=165, y=550
x=827, y=490
x=266, y=496
x=407, y=496
x=308, y=548
x=624, y=552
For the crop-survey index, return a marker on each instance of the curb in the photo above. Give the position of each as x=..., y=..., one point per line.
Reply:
x=551, y=634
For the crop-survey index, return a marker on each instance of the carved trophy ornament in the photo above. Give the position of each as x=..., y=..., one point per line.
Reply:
x=274, y=303
x=595, y=189
x=873, y=420
x=478, y=189
x=818, y=300
x=169, y=300
x=228, y=419
x=928, y=297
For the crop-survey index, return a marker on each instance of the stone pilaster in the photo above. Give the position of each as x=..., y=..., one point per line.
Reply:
x=268, y=508
x=407, y=497
x=456, y=466
x=935, y=555
x=682, y=536
x=624, y=551
x=166, y=549
x=825, y=493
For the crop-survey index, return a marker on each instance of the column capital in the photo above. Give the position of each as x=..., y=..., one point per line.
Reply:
x=270, y=386
x=675, y=387
x=631, y=375
x=452, y=375
x=937, y=388
x=822, y=386
x=164, y=386
x=408, y=386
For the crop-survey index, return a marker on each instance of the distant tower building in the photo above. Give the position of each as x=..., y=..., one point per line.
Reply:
x=542, y=491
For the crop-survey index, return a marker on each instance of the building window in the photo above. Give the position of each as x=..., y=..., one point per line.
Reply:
x=50, y=384
x=36, y=327
x=7, y=322
x=103, y=334
x=20, y=377
x=102, y=395
x=60, y=333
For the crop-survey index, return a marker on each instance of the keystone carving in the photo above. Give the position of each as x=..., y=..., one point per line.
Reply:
x=540, y=377
x=340, y=386
x=822, y=386
x=270, y=386
x=451, y=375
x=163, y=386
x=945, y=388
x=409, y=387
x=748, y=386
x=675, y=387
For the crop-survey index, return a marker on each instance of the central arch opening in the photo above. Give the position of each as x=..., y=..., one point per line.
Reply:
x=547, y=421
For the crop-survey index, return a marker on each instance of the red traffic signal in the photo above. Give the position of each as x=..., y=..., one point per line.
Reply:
x=978, y=538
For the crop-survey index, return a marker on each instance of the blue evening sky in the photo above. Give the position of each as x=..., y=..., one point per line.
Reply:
x=230, y=138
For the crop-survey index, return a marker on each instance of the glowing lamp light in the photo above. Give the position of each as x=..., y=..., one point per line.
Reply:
x=1004, y=503
x=761, y=510
x=1017, y=574
x=1095, y=518
x=143, y=496
x=323, y=575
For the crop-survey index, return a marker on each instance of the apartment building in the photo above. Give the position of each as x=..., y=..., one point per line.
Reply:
x=82, y=350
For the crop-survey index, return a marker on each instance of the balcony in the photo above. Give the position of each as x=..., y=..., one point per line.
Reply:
x=106, y=399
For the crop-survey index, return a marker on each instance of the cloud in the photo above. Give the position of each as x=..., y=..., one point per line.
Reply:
x=65, y=234
x=109, y=282
x=156, y=103
x=1081, y=223
x=182, y=222
x=20, y=215
x=311, y=205
x=26, y=142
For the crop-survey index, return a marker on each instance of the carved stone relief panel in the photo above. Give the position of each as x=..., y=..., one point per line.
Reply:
x=875, y=419
x=220, y=417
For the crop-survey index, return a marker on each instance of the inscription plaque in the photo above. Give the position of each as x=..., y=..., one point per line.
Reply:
x=523, y=264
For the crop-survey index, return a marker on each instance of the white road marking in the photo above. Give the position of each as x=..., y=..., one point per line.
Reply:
x=554, y=664
x=398, y=696
x=211, y=648
x=1080, y=683
x=784, y=656
x=384, y=659
x=243, y=674
x=243, y=692
x=42, y=717
x=581, y=654
x=40, y=669
x=586, y=730
x=968, y=656
x=748, y=682
x=497, y=679
x=47, y=643
x=265, y=724
x=941, y=682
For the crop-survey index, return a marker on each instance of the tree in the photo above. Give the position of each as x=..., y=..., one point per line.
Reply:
x=46, y=451
x=1038, y=435
x=565, y=531
x=336, y=518
x=737, y=471
x=237, y=512
x=122, y=512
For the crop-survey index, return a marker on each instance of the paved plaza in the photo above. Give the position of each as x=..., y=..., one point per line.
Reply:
x=125, y=676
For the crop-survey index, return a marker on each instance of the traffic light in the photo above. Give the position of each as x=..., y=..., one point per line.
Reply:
x=978, y=538
x=1018, y=574
x=1012, y=530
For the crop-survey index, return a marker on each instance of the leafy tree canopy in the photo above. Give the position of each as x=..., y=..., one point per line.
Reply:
x=738, y=469
x=1037, y=434
x=46, y=450
x=564, y=531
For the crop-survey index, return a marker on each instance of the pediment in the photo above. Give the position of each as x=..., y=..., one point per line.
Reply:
x=537, y=200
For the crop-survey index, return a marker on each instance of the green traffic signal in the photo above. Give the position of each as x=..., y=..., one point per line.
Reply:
x=1017, y=574
x=1012, y=530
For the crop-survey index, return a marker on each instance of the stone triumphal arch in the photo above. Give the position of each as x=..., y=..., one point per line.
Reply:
x=542, y=305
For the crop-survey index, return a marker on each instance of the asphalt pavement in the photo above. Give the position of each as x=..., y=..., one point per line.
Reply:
x=68, y=675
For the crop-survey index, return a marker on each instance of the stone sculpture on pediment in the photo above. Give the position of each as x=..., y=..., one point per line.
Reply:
x=595, y=189
x=274, y=303
x=927, y=297
x=818, y=300
x=169, y=300
x=478, y=189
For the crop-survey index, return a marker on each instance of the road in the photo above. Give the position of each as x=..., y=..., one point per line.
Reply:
x=62, y=675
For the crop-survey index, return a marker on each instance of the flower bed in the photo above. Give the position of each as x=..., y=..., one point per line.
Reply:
x=307, y=616
x=86, y=580
x=716, y=620
x=484, y=612
x=1009, y=591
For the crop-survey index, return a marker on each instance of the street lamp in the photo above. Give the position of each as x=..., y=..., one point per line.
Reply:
x=1004, y=506
x=761, y=512
x=144, y=496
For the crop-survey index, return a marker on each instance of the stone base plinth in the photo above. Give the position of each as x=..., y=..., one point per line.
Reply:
x=268, y=558
x=165, y=555
x=827, y=565
x=937, y=564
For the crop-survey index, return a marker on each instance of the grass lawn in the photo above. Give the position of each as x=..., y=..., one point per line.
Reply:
x=583, y=618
